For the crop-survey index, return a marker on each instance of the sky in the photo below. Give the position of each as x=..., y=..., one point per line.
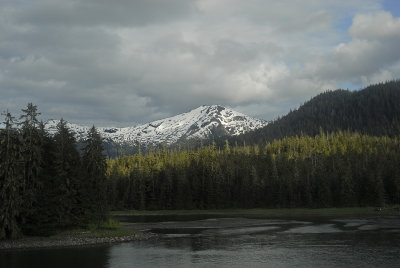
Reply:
x=124, y=62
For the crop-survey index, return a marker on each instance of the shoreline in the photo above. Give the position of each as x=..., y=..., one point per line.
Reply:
x=82, y=238
x=270, y=213
x=27, y=243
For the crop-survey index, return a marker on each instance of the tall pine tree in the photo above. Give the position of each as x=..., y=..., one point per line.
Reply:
x=32, y=158
x=11, y=180
x=94, y=166
x=67, y=169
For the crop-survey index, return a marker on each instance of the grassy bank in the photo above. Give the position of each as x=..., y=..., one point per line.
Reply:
x=107, y=228
x=271, y=213
x=94, y=234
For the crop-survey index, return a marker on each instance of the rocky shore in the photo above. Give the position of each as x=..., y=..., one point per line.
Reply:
x=49, y=242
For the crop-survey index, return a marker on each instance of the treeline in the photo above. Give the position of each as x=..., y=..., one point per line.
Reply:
x=374, y=111
x=45, y=182
x=337, y=170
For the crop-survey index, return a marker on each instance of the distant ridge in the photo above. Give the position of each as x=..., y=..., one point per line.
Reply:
x=374, y=110
x=202, y=123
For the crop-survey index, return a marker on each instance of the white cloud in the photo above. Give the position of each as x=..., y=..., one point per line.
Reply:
x=377, y=77
x=370, y=55
x=376, y=26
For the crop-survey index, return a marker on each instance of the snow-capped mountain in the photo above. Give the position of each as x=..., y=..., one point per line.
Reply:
x=200, y=123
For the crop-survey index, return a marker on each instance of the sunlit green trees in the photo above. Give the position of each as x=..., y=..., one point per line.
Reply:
x=328, y=170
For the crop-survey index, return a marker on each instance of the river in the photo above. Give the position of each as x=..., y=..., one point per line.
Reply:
x=207, y=241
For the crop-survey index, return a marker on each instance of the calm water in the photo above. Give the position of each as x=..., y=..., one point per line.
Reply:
x=234, y=242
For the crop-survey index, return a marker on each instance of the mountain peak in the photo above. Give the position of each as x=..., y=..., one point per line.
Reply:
x=200, y=123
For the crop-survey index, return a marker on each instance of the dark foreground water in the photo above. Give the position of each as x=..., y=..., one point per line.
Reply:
x=234, y=242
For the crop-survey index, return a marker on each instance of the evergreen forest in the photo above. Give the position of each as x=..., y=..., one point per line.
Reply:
x=45, y=182
x=374, y=110
x=341, y=169
x=340, y=149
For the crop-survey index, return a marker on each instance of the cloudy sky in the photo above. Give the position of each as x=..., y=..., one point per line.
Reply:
x=132, y=61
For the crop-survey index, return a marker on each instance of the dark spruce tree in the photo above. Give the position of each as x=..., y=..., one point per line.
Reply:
x=45, y=220
x=11, y=180
x=44, y=183
x=94, y=184
x=67, y=166
x=32, y=158
x=60, y=181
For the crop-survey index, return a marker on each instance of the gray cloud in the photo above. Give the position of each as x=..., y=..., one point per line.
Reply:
x=134, y=61
x=94, y=13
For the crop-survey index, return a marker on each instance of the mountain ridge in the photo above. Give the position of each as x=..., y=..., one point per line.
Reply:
x=200, y=123
x=373, y=110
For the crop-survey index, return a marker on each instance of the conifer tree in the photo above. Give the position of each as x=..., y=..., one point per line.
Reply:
x=45, y=218
x=66, y=164
x=31, y=153
x=94, y=166
x=347, y=194
x=11, y=180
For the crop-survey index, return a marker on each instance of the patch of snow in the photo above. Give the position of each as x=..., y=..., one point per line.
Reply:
x=196, y=124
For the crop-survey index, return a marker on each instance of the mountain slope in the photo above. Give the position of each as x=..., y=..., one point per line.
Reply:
x=374, y=110
x=204, y=122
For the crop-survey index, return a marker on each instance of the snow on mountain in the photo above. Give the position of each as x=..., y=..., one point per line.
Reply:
x=80, y=132
x=200, y=123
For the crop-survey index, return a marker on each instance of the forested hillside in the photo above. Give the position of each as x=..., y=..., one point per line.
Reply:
x=339, y=149
x=338, y=170
x=374, y=110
